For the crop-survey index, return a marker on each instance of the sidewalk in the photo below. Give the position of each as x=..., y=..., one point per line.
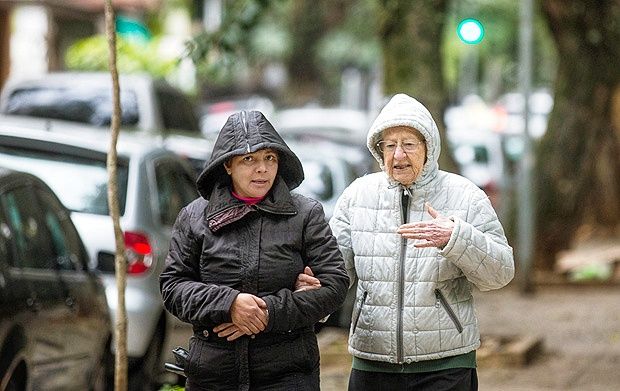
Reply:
x=579, y=326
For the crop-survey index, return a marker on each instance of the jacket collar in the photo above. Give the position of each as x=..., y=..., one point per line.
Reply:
x=224, y=208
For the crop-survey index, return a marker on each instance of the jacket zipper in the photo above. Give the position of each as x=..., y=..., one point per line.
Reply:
x=245, y=129
x=359, y=312
x=444, y=303
x=401, y=280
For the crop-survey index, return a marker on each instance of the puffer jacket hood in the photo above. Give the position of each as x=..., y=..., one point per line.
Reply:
x=403, y=110
x=248, y=132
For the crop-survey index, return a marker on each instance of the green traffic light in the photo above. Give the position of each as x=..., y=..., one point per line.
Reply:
x=470, y=31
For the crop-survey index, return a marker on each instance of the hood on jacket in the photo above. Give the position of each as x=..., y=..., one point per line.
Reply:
x=403, y=110
x=247, y=132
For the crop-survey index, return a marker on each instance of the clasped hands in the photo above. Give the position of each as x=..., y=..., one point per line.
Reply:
x=249, y=313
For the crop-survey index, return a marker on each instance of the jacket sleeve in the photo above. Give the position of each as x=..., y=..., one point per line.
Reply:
x=478, y=246
x=183, y=293
x=290, y=310
x=340, y=224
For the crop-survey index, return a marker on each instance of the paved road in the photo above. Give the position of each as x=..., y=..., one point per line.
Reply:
x=579, y=327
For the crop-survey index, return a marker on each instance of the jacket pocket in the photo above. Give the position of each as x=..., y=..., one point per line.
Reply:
x=210, y=362
x=359, y=311
x=441, y=300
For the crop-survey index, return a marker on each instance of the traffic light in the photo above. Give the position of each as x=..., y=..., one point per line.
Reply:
x=470, y=31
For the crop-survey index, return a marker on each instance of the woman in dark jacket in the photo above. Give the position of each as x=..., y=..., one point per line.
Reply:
x=234, y=259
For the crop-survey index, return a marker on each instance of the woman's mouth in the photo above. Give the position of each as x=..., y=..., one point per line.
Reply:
x=401, y=166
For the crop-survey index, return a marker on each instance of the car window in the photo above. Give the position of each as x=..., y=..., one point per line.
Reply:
x=80, y=183
x=33, y=242
x=318, y=182
x=5, y=236
x=69, y=251
x=73, y=102
x=176, y=110
x=175, y=189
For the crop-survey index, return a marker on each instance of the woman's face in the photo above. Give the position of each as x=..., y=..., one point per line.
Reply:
x=253, y=174
x=404, y=153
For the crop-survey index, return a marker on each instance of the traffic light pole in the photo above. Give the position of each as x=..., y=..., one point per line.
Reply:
x=525, y=223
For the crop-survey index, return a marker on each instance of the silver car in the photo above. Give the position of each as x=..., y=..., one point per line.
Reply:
x=154, y=184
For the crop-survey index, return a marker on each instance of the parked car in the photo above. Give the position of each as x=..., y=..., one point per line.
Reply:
x=213, y=115
x=326, y=175
x=197, y=150
x=154, y=184
x=86, y=97
x=480, y=158
x=345, y=129
x=55, y=332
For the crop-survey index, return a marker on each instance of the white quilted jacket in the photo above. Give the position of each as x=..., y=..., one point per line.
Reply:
x=415, y=304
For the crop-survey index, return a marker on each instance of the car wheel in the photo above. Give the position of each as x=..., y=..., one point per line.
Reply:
x=145, y=376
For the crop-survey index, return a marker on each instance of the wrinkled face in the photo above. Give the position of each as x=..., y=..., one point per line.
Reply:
x=404, y=153
x=253, y=174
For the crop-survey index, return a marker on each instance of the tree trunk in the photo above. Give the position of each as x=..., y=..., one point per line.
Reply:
x=307, y=28
x=411, y=36
x=5, y=35
x=120, y=327
x=578, y=186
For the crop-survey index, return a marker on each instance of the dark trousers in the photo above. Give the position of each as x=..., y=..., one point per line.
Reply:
x=457, y=379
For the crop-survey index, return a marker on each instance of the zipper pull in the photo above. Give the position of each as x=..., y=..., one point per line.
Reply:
x=245, y=129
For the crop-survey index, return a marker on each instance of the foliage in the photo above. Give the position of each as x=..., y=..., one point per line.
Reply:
x=168, y=387
x=255, y=33
x=218, y=52
x=352, y=44
x=91, y=54
x=498, y=53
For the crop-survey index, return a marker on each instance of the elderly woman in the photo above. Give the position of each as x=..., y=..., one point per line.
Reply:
x=234, y=259
x=417, y=240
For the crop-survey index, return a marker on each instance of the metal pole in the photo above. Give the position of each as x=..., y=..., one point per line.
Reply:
x=525, y=206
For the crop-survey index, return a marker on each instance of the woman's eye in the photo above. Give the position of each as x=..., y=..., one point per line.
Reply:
x=271, y=158
x=248, y=158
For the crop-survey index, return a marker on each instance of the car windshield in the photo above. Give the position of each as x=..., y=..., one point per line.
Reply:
x=77, y=103
x=80, y=183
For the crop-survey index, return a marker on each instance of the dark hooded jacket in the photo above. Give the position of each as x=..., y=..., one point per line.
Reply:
x=221, y=247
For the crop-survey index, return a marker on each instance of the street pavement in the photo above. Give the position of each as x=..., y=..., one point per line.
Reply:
x=579, y=326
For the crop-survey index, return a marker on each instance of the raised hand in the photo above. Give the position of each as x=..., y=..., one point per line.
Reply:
x=431, y=233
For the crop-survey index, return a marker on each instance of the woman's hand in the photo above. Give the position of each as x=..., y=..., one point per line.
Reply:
x=432, y=233
x=229, y=331
x=249, y=313
x=306, y=281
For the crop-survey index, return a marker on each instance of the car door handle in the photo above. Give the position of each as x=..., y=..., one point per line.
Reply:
x=70, y=302
x=33, y=304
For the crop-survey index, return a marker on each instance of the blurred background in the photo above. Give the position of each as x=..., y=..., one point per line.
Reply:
x=526, y=95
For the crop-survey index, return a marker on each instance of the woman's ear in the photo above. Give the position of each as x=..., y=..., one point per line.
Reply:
x=227, y=167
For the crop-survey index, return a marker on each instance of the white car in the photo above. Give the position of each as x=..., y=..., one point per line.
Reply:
x=345, y=129
x=154, y=184
x=326, y=174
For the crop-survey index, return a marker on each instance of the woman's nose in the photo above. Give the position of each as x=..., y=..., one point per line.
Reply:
x=261, y=166
x=399, y=152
